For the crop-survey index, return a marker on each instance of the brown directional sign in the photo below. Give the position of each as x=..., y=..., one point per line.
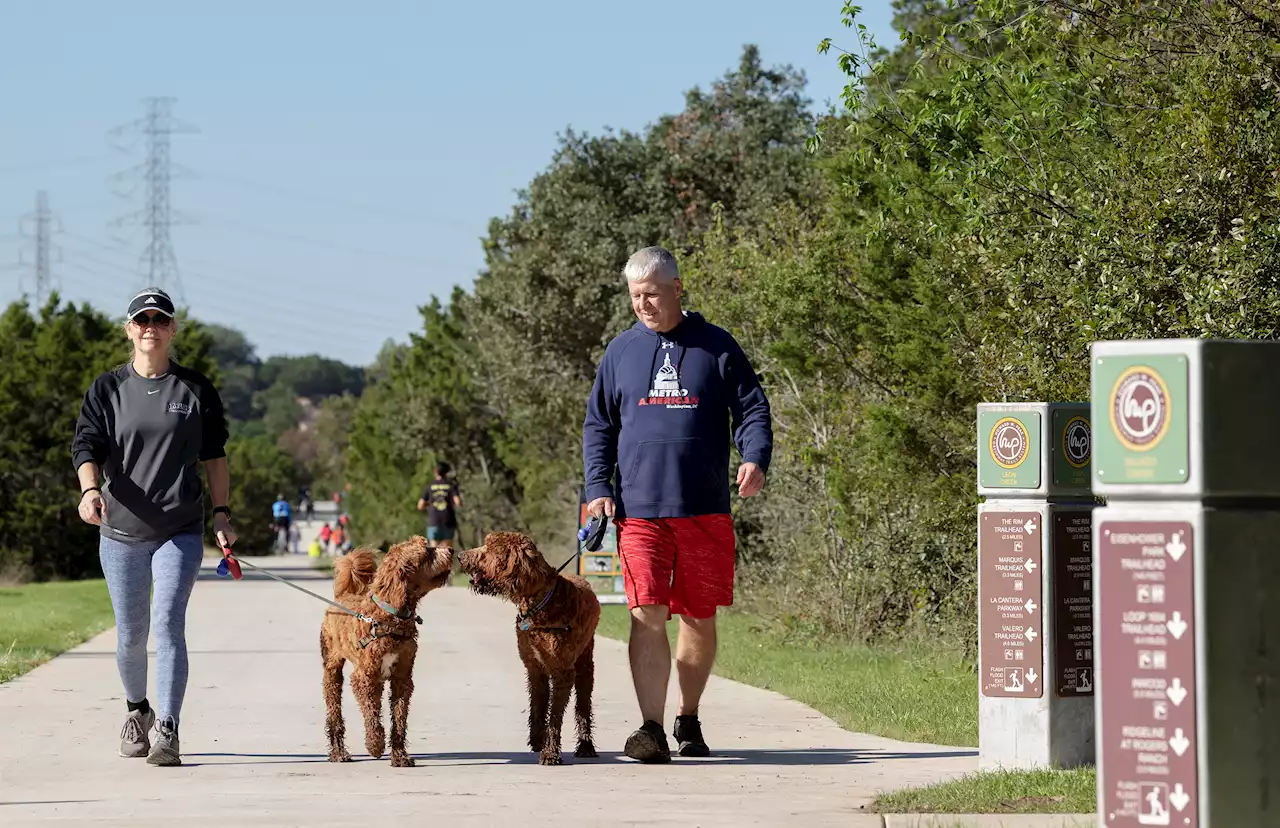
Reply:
x=1010, y=605
x=1072, y=586
x=1146, y=634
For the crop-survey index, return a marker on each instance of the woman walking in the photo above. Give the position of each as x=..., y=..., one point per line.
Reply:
x=144, y=429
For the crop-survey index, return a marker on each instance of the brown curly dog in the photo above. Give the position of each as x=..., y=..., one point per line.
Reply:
x=379, y=651
x=555, y=634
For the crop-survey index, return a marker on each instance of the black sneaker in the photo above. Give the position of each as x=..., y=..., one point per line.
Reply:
x=648, y=744
x=688, y=734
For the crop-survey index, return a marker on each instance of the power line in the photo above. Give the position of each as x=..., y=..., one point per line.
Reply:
x=333, y=245
x=158, y=262
x=360, y=207
x=44, y=166
x=293, y=314
x=296, y=289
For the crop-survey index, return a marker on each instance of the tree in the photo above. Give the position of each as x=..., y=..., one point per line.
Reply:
x=238, y=366
x=50, y=360
x=424, y=406
x=259, y=471
x=311, y=376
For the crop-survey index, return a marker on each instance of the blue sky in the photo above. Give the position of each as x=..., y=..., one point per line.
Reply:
x=346, y=164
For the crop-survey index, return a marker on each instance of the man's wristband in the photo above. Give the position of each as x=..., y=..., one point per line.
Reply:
x=222, y=509
x=91, y=489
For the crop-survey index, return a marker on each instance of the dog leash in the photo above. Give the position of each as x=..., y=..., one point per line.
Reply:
x=231, y=565
x=591, y=537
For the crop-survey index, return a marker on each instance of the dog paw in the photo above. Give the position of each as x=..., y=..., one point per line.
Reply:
x=586, y=750
x=548, y=757
x=401, y=760
x=375, y=748
x=339, y=756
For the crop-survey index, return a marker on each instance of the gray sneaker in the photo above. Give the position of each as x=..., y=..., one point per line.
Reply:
x=165, y=750
x=133, y=736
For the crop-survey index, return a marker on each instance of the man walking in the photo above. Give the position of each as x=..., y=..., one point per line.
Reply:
x=655, y=449
x=441, y=499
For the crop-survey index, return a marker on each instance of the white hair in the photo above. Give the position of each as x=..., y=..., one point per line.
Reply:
x=651, y=263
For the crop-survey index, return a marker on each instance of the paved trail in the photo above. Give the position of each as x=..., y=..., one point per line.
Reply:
x=254, y=747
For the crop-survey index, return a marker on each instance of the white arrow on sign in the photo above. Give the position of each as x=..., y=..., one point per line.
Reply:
x=1030, y=525
x=1030, y=565
x=1175, y=547
x=1176, y=692
x=1031, y=633
x=1031, y=605
x=1179, y=798
x=1032, y=676
x=1176, y=625
x=1179, y=742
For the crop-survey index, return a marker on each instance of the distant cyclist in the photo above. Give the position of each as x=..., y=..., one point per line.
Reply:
x=282, y=517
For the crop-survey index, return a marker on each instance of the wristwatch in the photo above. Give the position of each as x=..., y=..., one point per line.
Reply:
x=222, y=509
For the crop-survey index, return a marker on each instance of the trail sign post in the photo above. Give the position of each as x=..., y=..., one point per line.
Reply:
x=1187, y=583
x=1035, y=626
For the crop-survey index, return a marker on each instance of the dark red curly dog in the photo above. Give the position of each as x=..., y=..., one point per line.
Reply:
x=380, y=651
x=555, y=634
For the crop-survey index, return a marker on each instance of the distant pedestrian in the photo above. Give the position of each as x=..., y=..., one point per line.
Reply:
x=282, y=519
x=143, y=432
x=441, y=499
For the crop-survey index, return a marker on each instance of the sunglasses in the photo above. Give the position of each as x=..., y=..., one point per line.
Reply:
x=157, y=319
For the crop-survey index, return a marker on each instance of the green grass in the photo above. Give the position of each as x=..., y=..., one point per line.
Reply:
x=914, y=694
x=39, y=621
x=1003, y=792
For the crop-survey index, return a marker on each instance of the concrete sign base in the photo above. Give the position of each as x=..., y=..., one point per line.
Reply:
x=1035, y=635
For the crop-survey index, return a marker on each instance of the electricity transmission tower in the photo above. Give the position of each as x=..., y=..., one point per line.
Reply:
x=158, y=265
x=44, y=226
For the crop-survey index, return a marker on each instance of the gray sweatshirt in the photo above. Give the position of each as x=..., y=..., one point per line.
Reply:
x=147, y=437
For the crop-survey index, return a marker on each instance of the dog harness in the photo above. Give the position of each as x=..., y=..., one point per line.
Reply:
x=374, y=634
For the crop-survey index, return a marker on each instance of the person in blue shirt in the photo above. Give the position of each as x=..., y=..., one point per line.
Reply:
x=282, y=517
x=669, y=396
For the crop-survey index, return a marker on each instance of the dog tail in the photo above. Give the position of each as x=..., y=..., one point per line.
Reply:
x=352, y=573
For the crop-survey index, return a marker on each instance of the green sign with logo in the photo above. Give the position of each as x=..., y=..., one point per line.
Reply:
x=1072, y=448
x=1009, y=449
x=1141, y=426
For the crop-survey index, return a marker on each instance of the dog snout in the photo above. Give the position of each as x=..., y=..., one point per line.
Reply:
x=467, y=559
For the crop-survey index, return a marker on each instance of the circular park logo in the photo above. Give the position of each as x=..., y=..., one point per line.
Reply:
x=1140, y=408
x=1076, y=442
x=1009, y=442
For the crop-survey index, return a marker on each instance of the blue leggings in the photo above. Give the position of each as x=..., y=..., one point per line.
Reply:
x=131, y=569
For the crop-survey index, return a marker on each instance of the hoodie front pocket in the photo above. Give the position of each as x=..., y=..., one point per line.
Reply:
x=667, y=471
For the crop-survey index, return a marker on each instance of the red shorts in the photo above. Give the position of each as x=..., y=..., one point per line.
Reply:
x=685, y=564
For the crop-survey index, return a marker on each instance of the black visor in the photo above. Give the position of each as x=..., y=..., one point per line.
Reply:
x=151, y=300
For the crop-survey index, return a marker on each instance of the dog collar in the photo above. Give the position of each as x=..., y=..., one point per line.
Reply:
x=385, y=607
x=523, y=620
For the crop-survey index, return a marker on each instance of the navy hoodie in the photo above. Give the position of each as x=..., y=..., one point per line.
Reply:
x=656, y=436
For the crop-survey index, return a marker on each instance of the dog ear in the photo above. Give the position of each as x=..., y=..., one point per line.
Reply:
x=528, y=547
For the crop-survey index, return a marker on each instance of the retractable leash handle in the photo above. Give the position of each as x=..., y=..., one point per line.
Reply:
x=592, y=535
x=229, y=565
